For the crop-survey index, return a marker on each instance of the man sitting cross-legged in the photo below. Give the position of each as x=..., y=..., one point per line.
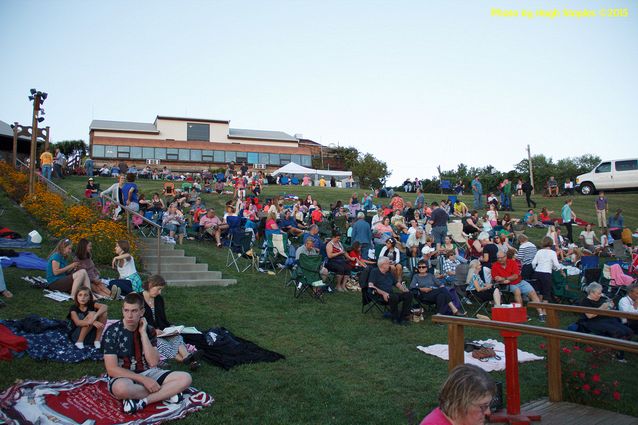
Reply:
x=131, y=359
x=382, y=281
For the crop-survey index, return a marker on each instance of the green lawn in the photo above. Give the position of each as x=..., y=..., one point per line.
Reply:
x=341, y=367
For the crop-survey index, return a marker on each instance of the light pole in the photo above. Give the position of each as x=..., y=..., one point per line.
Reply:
x=531, y=170
x=38, y=98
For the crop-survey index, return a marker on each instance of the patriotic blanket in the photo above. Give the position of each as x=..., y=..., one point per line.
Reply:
x=86, y=401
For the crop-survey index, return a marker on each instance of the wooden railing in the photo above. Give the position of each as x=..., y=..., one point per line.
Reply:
x=456, y=337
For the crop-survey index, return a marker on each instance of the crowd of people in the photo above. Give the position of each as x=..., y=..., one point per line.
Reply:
x=404, y=250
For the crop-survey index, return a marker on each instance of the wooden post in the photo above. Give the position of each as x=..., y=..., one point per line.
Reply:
x=15, y=144
x=456, y=345
x=34, y=142
x=554, y=373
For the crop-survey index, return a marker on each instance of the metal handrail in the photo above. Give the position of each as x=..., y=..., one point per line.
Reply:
x=49, y=183
x=144, y=219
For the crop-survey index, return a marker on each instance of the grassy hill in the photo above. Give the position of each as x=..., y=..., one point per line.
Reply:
x=341, y=367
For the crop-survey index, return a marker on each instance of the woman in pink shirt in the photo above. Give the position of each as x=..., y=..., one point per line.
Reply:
x=465, y=398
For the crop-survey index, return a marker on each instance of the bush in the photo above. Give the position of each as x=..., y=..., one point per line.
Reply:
x=74, y=222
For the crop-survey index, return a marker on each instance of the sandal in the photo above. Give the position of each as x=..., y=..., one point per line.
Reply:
x=460, y=313
x=7, y=294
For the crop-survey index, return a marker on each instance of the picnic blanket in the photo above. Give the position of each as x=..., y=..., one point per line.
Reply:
x=48, y=340
x=25, y=260
x=86, y=401
x=441, y=351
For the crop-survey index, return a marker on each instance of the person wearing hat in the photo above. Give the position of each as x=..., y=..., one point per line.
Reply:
x=92, y=190
x=391, y=251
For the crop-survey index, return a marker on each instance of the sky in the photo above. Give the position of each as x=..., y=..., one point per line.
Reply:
x=418, y=84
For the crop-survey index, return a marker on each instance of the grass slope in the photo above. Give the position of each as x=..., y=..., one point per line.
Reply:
x=341, y=367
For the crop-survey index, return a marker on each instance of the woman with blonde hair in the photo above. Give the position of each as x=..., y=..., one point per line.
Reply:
x=465, y=398
x=483, y=291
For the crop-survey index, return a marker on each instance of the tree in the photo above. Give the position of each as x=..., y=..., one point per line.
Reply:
x=69, y=146
x=370, y=171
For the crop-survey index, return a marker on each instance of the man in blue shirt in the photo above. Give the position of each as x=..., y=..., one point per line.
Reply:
x=362, y=233
x=313, y=233
x=477, y=191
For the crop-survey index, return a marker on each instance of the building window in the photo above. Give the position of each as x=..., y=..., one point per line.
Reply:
x=196, y=155
x=198, y=132
x=306, y=160
x=184, y=155
x=207, y=156
x=136, y=152
x=274, y=159
x=230, y=156
x=148, y=153
x=242, y=157
x=264, y=158
x=110, y=152
x=296, y=159
x=284, y=159
x=172, y=154
x=253, y=158
x=123, y=151
x=219, y=156
x=98, y=151
x=160, y=153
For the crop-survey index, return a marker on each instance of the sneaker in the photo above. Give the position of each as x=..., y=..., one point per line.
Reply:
x=115, y=292
x=541, y=318
x=131, y=406
x=97, y=344
x=79, y=345
x=467, y=301
x=177, y=398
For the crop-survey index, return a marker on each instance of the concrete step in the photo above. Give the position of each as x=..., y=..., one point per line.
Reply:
x=184, y=267
x=177, y=274
x=153, y=248
x=202, y=282
x=169, y=260
x=164, y=254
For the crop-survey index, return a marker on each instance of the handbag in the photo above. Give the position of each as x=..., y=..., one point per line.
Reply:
x=484, y=354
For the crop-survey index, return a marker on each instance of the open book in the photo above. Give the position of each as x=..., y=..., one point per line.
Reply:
x=177, y=330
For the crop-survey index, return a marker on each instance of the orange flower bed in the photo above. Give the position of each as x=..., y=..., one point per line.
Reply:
x=61, y=220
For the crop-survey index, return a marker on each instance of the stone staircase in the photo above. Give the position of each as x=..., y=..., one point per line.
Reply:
x=178, y=269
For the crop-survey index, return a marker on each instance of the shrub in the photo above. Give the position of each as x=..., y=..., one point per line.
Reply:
x=61, y=220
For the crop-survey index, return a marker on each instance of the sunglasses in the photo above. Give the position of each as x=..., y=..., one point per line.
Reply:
x=422, y=267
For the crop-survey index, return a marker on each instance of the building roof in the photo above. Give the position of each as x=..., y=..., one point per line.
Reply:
x=233, y=133
x=7, y=131
x=240, y=133
x=140, y=127
x=164, y=117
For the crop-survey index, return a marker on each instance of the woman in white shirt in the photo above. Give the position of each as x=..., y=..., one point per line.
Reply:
x=544, y=262
x=588, y=238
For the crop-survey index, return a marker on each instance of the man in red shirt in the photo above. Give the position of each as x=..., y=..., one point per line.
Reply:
x=505, y=271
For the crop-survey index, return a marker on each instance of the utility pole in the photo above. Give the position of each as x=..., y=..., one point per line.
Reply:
x=531, y=169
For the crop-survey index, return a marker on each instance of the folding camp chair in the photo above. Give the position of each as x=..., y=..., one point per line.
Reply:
x=614, y=290
x=477, y=304
x=455, y=230
x=566, y=289
x=620, y=251
x=240, y=249
x=369, y=298
x=589, y=269
x=275, y=251
x=307, y=278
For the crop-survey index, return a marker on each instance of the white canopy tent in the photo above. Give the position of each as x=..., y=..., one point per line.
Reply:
x=296, y=169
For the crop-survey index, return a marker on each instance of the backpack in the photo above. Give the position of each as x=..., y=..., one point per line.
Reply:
x=626, y=236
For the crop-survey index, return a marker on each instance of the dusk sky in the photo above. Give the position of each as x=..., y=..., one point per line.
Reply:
x=416, y=83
